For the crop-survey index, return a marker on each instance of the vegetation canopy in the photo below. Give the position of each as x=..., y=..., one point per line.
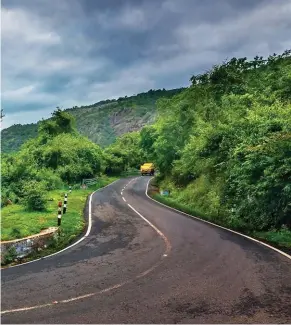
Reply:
x=223, y=145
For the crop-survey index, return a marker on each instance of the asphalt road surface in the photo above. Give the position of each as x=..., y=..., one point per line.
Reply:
x=167, y=268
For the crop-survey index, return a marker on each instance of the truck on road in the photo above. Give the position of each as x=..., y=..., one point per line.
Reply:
x=147, y=169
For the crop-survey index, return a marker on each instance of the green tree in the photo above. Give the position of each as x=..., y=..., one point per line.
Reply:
x=61, y=122
x=124, y=153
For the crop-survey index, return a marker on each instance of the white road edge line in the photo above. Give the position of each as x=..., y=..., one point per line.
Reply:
x=77, y=242
x=123, y=199
x=167, y=242
x=213, y=224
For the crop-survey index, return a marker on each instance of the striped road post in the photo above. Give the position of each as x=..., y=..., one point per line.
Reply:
x=65, y=203
x=59, y=213
x=70, y=188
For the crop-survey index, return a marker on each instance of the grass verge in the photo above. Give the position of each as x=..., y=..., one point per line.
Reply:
x=18, y=222
x=280, y=239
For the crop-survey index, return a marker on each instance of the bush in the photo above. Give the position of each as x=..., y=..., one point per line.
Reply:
x=52, y=179
x=259, y=183
x=9, y=256
x=34, y=195
x=6, y=195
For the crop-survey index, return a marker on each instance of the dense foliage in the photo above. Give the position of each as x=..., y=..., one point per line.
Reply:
x=59, y=155
x=123, y=154
x=101, y=122
x=223, y=146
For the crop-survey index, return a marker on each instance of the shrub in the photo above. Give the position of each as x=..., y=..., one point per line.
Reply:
x=52, y=179
x=9, y=256
x=34, y=195
x=6, y=195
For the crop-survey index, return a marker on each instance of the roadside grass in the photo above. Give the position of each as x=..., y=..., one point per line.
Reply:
x=179, y=206
x=280, y=239
x=18, y=222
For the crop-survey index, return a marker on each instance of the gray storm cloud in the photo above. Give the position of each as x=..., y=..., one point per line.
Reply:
x=70, y=52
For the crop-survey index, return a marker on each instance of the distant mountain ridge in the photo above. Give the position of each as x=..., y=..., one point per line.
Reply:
x=101, y=122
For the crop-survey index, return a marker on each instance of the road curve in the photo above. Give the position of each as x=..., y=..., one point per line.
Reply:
x=144, y=263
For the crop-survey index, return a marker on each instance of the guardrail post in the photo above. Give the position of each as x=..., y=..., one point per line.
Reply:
x=59, y=213
x=65, y=203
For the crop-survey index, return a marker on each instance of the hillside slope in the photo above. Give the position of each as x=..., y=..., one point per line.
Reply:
x=231, y=162
x=101, y=122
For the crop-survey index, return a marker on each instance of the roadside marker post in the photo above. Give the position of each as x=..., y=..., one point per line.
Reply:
x=70, y=189
x=65, y=203
x=59, y=213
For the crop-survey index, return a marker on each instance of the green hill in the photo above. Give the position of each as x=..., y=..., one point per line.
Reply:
x=101, y=122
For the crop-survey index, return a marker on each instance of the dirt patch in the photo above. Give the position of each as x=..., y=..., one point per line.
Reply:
x=153, y=189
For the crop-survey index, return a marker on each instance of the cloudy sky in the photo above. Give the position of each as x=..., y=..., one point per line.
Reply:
x=77, y=52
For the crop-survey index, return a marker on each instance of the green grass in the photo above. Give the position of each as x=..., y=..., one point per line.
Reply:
x=280, y=239
x=18, y=222
x=179, y=206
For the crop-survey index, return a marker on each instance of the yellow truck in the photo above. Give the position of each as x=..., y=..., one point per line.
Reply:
x=147, y=169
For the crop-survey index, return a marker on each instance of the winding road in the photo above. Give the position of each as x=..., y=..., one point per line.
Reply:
x=144, y=263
